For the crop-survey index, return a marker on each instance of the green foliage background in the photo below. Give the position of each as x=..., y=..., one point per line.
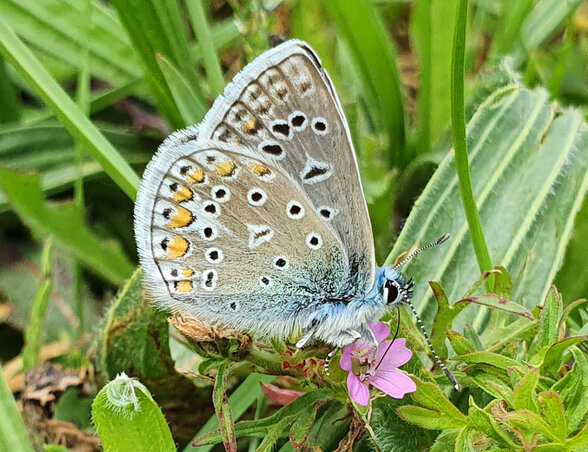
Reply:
x=88, y=89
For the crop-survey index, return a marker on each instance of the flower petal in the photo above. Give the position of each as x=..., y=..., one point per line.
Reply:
x=394, y=354
x=393, y=382
x=358, y=390
x=380, y=330
x=345, y=360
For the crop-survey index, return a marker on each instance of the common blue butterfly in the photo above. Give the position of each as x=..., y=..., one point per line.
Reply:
x=256, y=218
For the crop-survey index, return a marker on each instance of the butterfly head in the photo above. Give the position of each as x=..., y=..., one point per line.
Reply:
x=395, y=289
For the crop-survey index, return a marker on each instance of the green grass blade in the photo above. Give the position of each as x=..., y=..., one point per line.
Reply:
x=363, y=31
x=433, y=26
x=29, y=68
x=189, y=103
x=203, y=34
x=33, y=335
x=64, y=224
x=508, y=29
x=458, y=128
x=544, y=19
x=13, y=434
x=127, y=418
x=9, y=103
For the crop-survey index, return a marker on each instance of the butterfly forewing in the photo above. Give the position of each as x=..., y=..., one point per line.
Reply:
x=284, y=108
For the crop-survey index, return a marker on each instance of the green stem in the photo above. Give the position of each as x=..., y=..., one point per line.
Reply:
x=458, y=128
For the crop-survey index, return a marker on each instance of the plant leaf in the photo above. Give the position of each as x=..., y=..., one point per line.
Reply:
x=222, y=408
x=552, y=410
x=524, y=396
x=13, y=434
x=127, y=418
x=64, y=224
x=495, y=301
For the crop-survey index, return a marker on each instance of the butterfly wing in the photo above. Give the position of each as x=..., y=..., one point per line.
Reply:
x=229, y=237
x=284, y=107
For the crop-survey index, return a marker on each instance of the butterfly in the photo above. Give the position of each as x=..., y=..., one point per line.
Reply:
x=256, y=218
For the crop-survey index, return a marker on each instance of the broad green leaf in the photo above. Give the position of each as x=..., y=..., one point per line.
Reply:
x=9, y=103
x=33, y=336
x=529, y=423
x=549, y=319
x=552, y=410
x=127, y=418
x=445, y=441
x=529, y=170
x=465, y=440
x=460, y=344
x=579, y=441
x=86, y=134
x=13, y=434
x=432, y=25
x=361, y=28
x=64, y=224
x=543, y=19
x=222, y=408
x=524, y=393
x=239, y=401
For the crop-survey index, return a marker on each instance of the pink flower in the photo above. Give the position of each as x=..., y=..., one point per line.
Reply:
x=379, y=369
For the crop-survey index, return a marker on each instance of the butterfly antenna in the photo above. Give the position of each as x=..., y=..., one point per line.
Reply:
x=422, y=327
x=422, y=248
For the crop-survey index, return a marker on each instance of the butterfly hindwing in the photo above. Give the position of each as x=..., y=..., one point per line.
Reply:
x=284, y=108
x=231, y=239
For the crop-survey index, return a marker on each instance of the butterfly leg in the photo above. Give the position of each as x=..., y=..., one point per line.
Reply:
x=305, y=339
x=328, y=360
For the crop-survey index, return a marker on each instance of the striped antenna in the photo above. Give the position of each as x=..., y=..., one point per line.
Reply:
x=441, y=365
x=422, y=248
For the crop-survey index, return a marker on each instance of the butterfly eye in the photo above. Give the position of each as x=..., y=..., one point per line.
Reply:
x=391, y=292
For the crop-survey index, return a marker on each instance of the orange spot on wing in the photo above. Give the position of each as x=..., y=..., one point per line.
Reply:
x=183, y=194
x=184, y=286
x=196, y=177
x=225, y=168
x=177, y=247
x=187, y=272
x=250, y=126
x=182, y=218
x=258, y=169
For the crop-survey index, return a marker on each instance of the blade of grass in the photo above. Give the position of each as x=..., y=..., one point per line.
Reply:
x=508, y=29
x=29, y=68
x=432, y=26
x=9, y=103
x=33, y=336
x=458, y=129
x=203, y=33
x=13, y=434
x=363, y=31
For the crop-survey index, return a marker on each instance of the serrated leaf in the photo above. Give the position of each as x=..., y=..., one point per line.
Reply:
x=443, y=318
x=494, y=387
x=299, y=430
x=553, y=357
x=549, y=320
x=572, y=389
x=529, y=423
x=552, y=410
x=525, y=163
x=484, y=422
x=524, y=395
x=64, y=224
x=222, y=408
x=127, y=418
x=428, y=419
